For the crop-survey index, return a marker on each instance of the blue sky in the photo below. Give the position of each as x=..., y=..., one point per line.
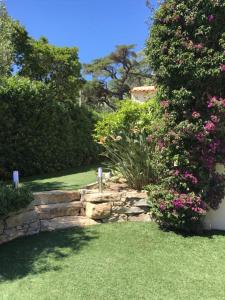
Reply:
x=94, y=26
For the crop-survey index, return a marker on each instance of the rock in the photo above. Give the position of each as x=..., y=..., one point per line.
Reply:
x=119, y=209
x=51, y=197
x=13, y=233
x=98, y=211
x=34, y=228
x=102, y=197
x=141, y=203
x=134, y=196
x=1, y=226
x=21, y=219
x=59, y=210
x=66, y=222
x=140, y=218
x=133, y=211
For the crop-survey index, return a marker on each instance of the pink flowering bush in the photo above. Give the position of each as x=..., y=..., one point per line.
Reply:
x=186, y=50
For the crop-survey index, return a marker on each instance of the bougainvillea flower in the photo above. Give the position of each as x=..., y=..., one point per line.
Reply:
x=196, y=115
x=211, y=18
x=209, y=126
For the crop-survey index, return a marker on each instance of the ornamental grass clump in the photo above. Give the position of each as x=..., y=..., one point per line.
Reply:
x=186, y=50
x=127, y=143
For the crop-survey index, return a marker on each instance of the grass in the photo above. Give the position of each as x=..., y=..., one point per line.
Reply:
x=67, y=180
x=113, y=261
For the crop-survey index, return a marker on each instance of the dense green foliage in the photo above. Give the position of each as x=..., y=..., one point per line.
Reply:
x=13, y=199
x=39, y=134
x=125, y=135
x=186, y=51
x=6, y=45
x=58, y=67
x=121, y=261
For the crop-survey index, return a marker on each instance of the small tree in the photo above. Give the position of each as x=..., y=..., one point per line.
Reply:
x=186, y=51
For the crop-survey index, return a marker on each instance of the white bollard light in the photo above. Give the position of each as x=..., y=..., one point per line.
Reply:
x=100, y=179
x=16, y=178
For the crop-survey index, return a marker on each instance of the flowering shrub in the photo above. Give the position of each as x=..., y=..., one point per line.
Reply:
x=186, y=50
x=174, y=209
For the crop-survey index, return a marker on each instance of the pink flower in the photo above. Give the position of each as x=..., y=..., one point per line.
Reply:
x=222, y=68
x=213, y=146
x=164, y=103
x=198, y=46
x=176, y=172
x=209, y=126
x=190, y=177
x=149, y=139
x=196, y=115
x=161, y=144
x=178, y=203
x=211, y=18
x=214, y=119
x=200, y=137
x=162, y=207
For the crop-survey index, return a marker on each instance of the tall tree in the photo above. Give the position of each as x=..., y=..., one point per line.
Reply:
x=6, y=45
x=57, y=66
x=118, y=72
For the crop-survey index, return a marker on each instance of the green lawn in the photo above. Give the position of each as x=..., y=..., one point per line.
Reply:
x=113, y=261
x=67, y=180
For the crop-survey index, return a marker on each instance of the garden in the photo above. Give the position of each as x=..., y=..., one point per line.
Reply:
x=60, y=120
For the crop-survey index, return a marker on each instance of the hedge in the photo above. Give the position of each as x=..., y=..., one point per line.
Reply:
x=39, y=134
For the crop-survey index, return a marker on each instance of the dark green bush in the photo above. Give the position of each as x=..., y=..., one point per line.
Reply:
x=39, y=134
x=13, y=199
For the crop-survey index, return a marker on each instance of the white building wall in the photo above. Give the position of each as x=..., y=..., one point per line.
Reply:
x=215, y=219
x=141, y=97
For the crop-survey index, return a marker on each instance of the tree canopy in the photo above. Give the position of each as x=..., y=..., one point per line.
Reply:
x=6, y=45
x=116, y=74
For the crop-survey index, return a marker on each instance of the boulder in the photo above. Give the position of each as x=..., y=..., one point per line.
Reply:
x=140, y=218
x=21, y=219
x=98, y=211
x=133, y=211
x=59, y=210
x=51, y=197
x=66, y=222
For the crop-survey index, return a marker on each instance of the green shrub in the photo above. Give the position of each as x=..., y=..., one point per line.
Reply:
x=126, y=138
x=13, y=199
x=39, y=134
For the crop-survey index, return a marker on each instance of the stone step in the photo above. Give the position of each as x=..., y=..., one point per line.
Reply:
x=66, y=222
x=58, y=196
x=51, y=211
x=102, y=197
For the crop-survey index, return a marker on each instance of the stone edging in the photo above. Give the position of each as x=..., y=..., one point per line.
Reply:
x=65, y=209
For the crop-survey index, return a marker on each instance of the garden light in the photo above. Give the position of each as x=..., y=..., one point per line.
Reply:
x=16, y=178
x=100, y=179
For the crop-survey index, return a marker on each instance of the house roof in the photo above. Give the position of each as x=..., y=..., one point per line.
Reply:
x=147, y=89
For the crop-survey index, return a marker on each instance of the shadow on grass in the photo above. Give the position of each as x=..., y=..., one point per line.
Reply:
x=48, y=186
x=198, y=233
x=41, y=253
x=71, y=171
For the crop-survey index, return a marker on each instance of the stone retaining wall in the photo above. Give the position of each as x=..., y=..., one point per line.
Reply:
x=64, y=209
